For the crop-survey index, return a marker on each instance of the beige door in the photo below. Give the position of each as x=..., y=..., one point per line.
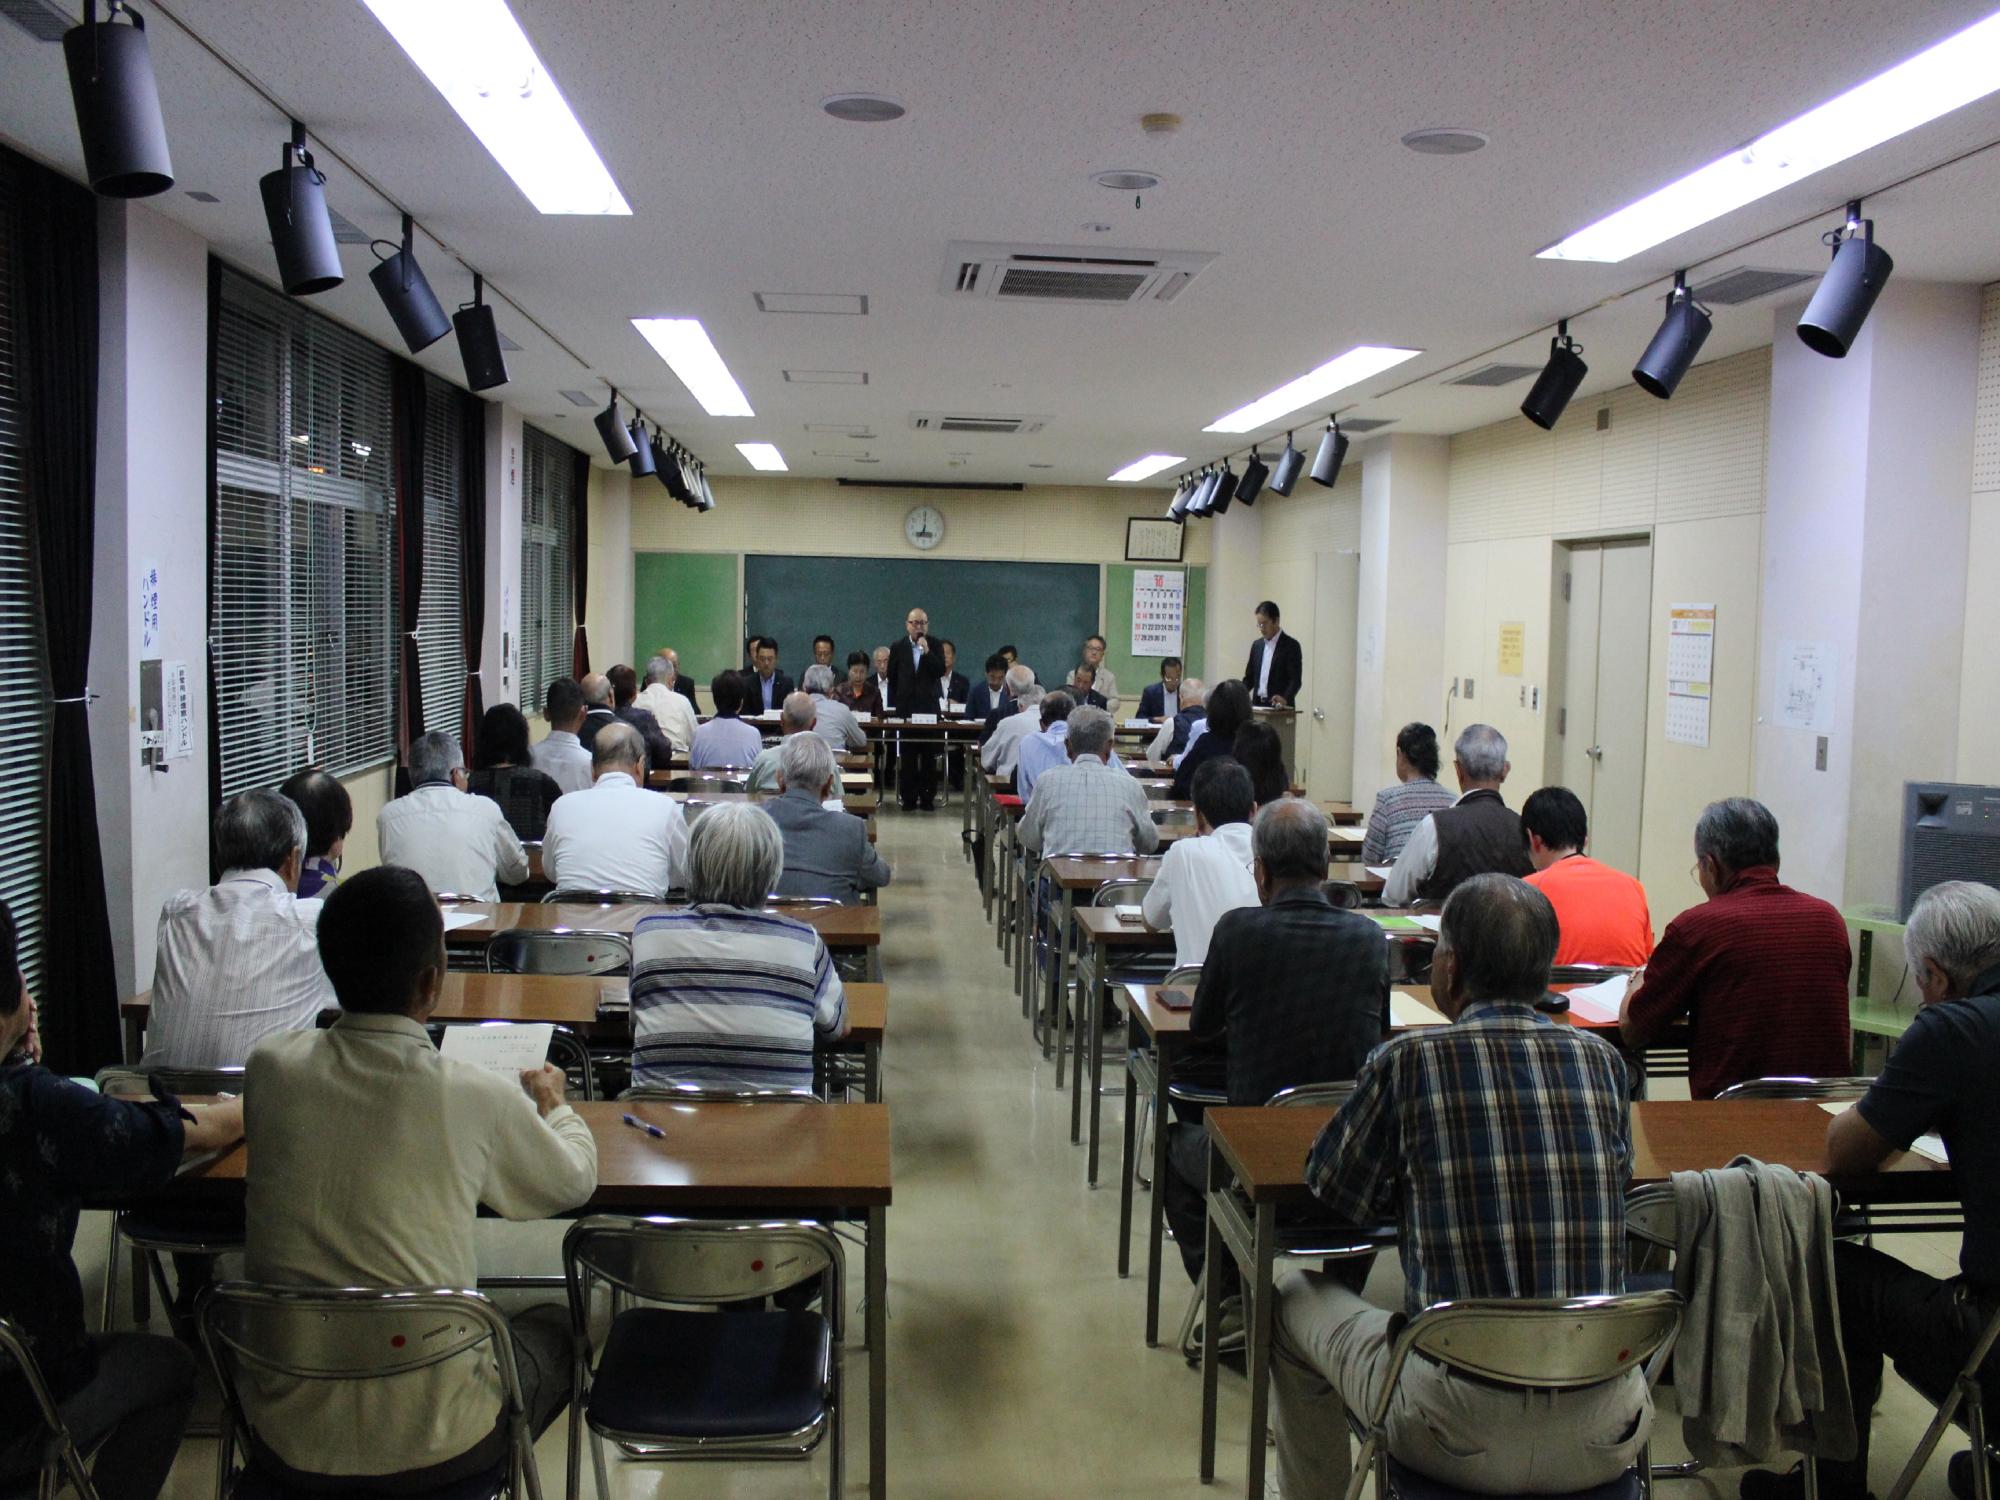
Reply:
x=1326, y=716
x=1599, y=748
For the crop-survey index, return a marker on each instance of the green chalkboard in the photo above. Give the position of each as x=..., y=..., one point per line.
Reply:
x=686, y=600
x=1044, y=609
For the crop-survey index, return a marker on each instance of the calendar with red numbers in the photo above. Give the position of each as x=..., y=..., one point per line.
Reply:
x=1159, y=605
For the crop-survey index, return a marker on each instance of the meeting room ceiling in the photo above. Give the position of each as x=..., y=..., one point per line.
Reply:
x=1288, y=166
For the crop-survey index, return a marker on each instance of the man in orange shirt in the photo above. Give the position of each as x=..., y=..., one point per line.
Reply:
x=1601, y=911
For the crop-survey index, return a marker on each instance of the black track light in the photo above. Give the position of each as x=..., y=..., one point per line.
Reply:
x=301, y=233
x=117, y=104
x=479, y=340
x=1332, y=454
x=1285, y=472
x=1183, y=492
x=611, y=429
x=1674, y=347
x=1848, y=291
x=1558, y=381
x=707, y=503
x=642, y=460
x=674, y=477
x=1225, y=489
x=404, y=290
x=1255, y=473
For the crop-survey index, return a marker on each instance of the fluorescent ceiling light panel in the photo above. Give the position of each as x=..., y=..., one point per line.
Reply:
x=478, y=57
x=1312, y=388
x=1955, y=72
x=764, y=457
x=1147, y=467
x=684, y=344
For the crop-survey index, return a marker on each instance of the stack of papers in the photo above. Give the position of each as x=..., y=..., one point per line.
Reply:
x=1381, y=872
x=1350, y=835
x=502, y=1047
x=1132, y=916
x=1930, y=1147
x=1598, y=1003
x=1407, y=1010
x=453, y=920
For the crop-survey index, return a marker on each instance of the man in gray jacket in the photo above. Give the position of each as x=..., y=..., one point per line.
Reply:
x=833, y=721
x=827, y=852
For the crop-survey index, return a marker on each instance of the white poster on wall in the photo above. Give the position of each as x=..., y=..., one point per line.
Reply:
x=1159, y=607
x=176, y=700
x=1802, y=686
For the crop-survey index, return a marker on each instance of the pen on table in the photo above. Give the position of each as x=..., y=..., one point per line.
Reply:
x=638, y=1124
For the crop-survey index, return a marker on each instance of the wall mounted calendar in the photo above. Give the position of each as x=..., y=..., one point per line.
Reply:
x=1159, y=608
x=1690, y=672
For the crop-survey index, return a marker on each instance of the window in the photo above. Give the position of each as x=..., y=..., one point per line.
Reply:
x=302, y=573
x=24, y=679
x=548, y=617
x=441, y=612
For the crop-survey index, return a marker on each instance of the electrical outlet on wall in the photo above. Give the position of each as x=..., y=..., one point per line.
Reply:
x=1535, y=699
x=1468, y=689
x=1524, y=695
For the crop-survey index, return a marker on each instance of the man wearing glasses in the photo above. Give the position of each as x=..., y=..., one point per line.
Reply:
x=916, y=666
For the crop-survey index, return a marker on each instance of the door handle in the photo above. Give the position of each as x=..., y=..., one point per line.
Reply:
x=1595, y=752
x=1320, y=714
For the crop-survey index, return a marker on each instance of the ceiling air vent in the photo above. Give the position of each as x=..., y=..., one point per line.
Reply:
x=41, y=20
x=346, y=231
x=1747, y=284
x=1069, y=273
x=1497, y=375
x=1359, y=425
x=939, y=421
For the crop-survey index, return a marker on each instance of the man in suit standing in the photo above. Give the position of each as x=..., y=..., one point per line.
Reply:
x=769, y=688
x=916, y=668
x=1161, y=699
x=1277, y=665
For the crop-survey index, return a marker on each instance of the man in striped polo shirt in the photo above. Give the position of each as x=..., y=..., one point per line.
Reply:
x=727, y=995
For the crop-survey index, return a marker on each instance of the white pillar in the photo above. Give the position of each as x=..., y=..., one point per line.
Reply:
x=1235, y=565
x=1864, y=543
x=499, y=653
x=1399, y=673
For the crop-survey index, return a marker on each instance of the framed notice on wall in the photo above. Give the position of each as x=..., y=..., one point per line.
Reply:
x=1159, y=608
x=1148, y=540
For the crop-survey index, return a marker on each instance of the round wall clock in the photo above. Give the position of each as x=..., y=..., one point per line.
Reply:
x=923, y=527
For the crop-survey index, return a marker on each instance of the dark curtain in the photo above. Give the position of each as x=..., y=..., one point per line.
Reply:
x=579, y=555
x=57, y=302
x=472, y=557
x=407, y=397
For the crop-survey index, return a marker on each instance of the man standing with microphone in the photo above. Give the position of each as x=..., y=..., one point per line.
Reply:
x=916, y=667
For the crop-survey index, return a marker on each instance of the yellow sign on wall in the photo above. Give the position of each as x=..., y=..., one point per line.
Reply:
x=1513, y=647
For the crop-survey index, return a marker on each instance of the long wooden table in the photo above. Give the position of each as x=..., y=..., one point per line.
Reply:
x=755, y=1160
x=1257, y=1167
x=575, y=1001
x=844, y=928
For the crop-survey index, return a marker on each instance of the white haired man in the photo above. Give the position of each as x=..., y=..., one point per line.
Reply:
x=459, y=843
x=670, y=708
x=827, y=852
x=1477, y=835
x=617, y=836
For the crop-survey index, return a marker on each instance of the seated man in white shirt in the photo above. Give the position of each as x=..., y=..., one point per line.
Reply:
x=461, y=844
x=1002, y=751
x=833, y=721
x=617, y=836
x=372, y=1157
x=670, y=707
x=239, y=960
x=1203, y=877
x=560, y=755
x=795, y=717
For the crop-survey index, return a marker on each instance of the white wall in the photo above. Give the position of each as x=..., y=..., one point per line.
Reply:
x=607, y=614
x=152, y=509
x=1400, y=613
x=1979, y=702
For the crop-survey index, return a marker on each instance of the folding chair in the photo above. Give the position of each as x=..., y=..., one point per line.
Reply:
x=61, y=1459
x=1143, y=1065
x=530, y=950
x=575, y=896
x=349, y=1335
x=672, y=1383
x=1831, y=1090
x=1968, y=1395
x=1344, y=894
x=1552, y=1344
x=689, y=1093
x=151, y=1231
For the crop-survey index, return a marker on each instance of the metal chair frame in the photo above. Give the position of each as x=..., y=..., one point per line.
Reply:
x=1550, y=1344
x=1829, y=1089
x=61, y=1458
x=1344, y=894
x=576, y=896
x=689, y=1261
x=542, y=951
x=1965, y=1392
x=314, y=1334
x=1051, y=1017
x=1144, y=1067
x=688, y=1093
x=129, y=1082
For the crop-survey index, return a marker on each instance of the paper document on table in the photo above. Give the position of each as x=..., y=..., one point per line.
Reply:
x=453, y=920
x=504, y=1047
x=1430, y=921
x=923, y=718
x=1598, y=1003
x=1347, y=835
x=1930, y=1147
x=1381, y=872
x=862, y=716
x=1407, y=1010
x=614, y=997
x=1138, y=723
x=1131, y=916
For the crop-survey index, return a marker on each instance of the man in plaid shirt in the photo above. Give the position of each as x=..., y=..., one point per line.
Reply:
x=1500, y=1147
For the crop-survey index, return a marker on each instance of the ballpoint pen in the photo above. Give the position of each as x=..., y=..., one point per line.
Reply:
x=638, y=1124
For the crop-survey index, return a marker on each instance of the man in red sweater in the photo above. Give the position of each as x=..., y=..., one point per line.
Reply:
x=1759, y=970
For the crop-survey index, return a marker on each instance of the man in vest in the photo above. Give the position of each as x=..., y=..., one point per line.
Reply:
x=1477, y=835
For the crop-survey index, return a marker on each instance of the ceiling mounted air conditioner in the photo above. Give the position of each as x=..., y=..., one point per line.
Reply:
x=1069, y=273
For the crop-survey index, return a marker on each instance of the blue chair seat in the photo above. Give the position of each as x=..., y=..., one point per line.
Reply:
x=694, y=1375
x=1410, y=1485
x=255, y=1484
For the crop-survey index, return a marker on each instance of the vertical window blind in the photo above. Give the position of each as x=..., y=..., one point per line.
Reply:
x=24, y=682
x=302, y=575
x=548, y=620
x=440, y=637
